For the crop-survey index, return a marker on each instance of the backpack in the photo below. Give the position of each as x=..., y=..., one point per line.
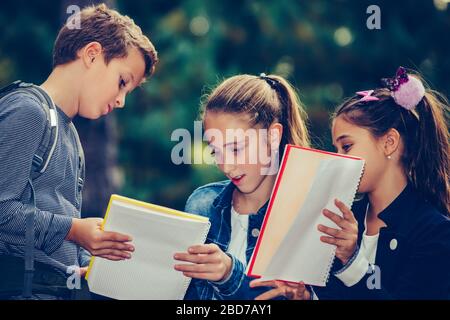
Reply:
x=41, y=159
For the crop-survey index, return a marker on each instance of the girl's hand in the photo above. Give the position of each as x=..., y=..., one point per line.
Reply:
x=208, y=262
x=344, y=239
x=290, y=290
x=109, y=245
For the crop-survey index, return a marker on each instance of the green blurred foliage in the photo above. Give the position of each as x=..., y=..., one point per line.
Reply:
x=322, y=47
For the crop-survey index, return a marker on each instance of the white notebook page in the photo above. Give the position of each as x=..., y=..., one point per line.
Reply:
x=309, y=258
x=289, y=247
x=149, y=274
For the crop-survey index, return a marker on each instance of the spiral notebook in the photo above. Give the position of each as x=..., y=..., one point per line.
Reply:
x=289, y=246
x=158, y=233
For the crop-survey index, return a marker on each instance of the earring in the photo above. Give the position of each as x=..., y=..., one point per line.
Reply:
x=389, y=157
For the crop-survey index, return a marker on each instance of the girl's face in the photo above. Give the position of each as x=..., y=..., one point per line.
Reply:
x=242, y=152
x=352, y=140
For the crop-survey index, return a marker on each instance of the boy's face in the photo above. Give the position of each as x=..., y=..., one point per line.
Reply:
x=352, y=140
x=106, y=86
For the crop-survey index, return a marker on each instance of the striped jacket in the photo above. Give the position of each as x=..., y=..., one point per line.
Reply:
x=58, y=195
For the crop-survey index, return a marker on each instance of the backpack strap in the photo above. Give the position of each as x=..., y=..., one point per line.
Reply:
x=45, y=151
x=40, y=162
x=47, y=146
x=28, y=275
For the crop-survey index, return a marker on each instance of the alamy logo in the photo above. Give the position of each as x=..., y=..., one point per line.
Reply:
x=74, y=279
x=374, y=20
x=374, y=280
x=74, y=20
x=232, y=147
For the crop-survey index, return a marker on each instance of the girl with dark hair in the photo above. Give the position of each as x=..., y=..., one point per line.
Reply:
x=395, y=244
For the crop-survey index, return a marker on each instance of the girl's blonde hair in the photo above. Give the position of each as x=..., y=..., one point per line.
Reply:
x=267, y=99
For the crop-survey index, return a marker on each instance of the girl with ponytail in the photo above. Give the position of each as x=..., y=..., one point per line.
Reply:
x=248, y=120
x=395, y=243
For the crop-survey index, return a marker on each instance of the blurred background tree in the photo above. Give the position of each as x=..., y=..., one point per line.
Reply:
x=323, y=47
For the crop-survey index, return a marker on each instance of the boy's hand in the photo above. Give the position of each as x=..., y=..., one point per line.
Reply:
x=290, y=290
x=109, y=245
x=83, y=271
x=208, y=262
x=345, y=239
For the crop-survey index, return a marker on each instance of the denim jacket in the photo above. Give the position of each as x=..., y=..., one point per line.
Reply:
x=214, y=201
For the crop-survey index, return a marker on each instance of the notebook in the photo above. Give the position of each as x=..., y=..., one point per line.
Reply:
x=158, y=233
x=289, y=246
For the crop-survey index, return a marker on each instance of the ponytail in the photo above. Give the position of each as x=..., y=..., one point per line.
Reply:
x=293, y=115
x=429, y=151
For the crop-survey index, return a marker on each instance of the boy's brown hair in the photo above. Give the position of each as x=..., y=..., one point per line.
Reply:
x=115, y=32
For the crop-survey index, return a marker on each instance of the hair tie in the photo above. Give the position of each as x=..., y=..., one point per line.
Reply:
x=406, y=90
x=366, y=96
x=272, y=82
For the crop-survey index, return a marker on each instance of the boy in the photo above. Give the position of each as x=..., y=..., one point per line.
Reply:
x=94, y=68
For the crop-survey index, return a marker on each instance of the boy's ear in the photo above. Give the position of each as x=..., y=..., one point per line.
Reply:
x=90, y=52
x=391, y=141
x=275, y=133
